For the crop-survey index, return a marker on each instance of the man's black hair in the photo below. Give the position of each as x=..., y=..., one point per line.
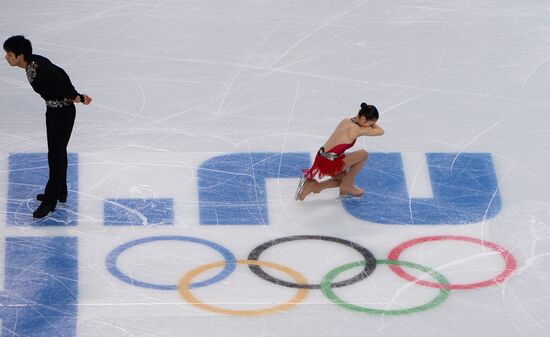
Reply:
x=18, y=45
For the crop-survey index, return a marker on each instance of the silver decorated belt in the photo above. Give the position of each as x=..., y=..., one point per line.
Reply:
x=58, y=103
x=329, y=155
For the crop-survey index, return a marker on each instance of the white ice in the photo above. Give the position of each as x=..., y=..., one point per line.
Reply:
x=176, y=83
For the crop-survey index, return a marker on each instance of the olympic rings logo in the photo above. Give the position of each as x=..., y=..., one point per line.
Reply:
x=327, y=285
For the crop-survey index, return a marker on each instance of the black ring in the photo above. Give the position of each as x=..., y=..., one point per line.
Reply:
x=370, y=261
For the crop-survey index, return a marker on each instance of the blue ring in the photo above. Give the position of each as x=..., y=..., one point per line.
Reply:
x=111, y=262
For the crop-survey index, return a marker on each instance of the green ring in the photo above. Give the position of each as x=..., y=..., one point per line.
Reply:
x=329, y=292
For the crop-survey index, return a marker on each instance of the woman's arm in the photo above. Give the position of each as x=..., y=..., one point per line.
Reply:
x=372, y=131
x=378, y=130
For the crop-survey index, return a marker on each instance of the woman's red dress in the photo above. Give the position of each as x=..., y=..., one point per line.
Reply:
x=328, y=163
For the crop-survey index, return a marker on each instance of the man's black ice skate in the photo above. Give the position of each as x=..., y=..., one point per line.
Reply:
x=43, y=210
x=42, y=197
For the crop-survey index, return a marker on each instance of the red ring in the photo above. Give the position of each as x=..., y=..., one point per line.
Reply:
x=508, y=258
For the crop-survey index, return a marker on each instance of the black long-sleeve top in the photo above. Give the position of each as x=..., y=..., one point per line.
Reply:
x=48, y=80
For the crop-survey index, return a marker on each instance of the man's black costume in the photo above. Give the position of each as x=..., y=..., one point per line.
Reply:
x=55, y=87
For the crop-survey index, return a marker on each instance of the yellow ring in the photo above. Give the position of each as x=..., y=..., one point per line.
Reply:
x=187, y=279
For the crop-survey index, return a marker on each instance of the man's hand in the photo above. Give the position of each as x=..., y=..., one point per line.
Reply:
x=87, y=100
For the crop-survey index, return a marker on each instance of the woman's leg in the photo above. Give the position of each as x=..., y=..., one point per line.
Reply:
x=313, y=186
x=354, y=163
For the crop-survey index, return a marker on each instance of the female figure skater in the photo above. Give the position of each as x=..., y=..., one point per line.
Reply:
x=331, y=160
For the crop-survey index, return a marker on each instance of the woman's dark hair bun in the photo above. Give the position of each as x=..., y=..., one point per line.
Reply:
x=368, y=111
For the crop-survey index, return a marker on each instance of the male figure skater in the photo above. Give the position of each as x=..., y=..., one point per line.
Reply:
x=55, y=87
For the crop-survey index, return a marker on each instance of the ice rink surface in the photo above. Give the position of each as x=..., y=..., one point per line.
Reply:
x=204, y=114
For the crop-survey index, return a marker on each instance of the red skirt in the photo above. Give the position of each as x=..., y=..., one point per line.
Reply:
x=325, y=167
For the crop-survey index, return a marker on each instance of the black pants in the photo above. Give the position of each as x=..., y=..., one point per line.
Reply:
x=59, y=125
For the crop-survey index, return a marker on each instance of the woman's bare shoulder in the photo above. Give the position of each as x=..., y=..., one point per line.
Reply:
x=345, y=122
